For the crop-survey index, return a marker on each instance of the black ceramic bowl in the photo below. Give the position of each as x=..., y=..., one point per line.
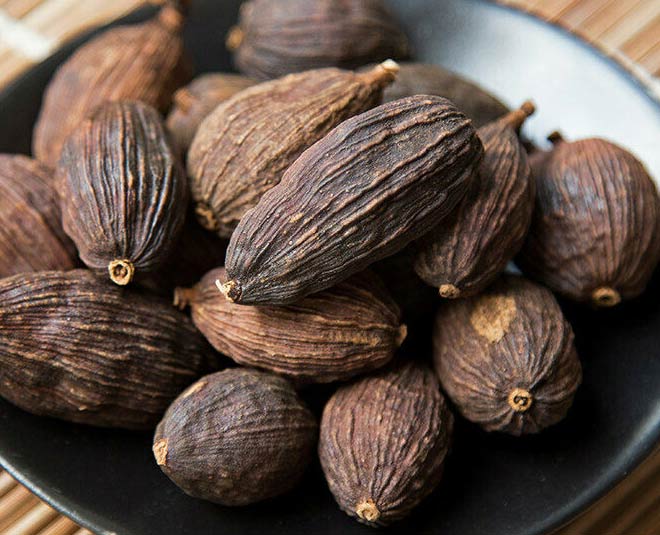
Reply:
x=494, y=484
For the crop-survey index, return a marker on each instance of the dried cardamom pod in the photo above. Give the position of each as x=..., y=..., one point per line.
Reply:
x=467, y=251
x=242, y=149
x=595, y=234
x=92, y=353
x=422, y=79
x=383, y=442
x=236, y=437
x=372, y=185
x=349, y=329
x=143, y=62
x=193, y=103
x=31, y=235
x=124, y=192
x=277, y=37
x=506, y=358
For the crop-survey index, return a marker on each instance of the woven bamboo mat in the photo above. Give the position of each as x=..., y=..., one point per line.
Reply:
x=628, y=30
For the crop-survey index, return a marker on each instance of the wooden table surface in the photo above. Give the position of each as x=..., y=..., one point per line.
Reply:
x=628, y=30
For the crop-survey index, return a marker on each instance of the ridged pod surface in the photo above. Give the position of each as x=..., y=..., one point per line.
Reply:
x=383, y=442
x=86, y=351
x=506, y=358
x=143, y=62
x=467, y=251
x=236, y=437
x=277, y=37
x=364, y=191
x=193, y=103
x=349, y=329
x=242, y=149
x=31, y=234
x=124, y=193
x=595, y=234
x=423, y=79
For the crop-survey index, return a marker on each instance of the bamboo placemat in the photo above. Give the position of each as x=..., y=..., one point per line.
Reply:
x=628, y=30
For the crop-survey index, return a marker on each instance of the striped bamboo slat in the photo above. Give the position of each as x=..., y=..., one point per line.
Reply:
x=629, y=30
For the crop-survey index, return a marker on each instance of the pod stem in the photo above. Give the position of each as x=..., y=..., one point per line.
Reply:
x=520, y=400
x=449, y=291
x=517, y=118
x=367, y=510
x=121, y=271
x=401, y=334
x=183, y=99
x=183, y=297
x=605, y=296
x=381, y=75
x=555, y=138
x=234, y=38
x=231, y=290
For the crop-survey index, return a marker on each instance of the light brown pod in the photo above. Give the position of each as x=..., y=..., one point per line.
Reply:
x=423, y=79
x=352, y=328
x=242, y=149
x=83, y=350
x=467, y=251
x=236, y=437
x=124, y=194
x=506, y=358
x=277, y=37
x=595, y=234
x=143, y=62
x=383, y=442
x=193, y=103
x=31, y=234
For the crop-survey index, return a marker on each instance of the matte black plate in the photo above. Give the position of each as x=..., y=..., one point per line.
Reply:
x=108, y=482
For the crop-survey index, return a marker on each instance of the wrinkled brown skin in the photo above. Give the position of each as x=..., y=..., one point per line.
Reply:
x=383, y=442
x=236, y=437
x=278, y=37
x=513, y=336
x=124, y=192
x=350, y=329
x=196, y=252
x=193, y=103
x=423, y=79
x=31, y=234
x=242, y=149
x=595, y=234
x=83, y=350
x=467, y=251
x=143, y=62
x=360, y=194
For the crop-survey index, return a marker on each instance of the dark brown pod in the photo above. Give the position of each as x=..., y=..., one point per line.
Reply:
x=506, y=358
x=423, y=79
x=383, y=442
x=349, y=329
x=236, y=437
x=143, y=62
x=595, y=234
x=466, y=252
x=124, y=194
x=193, y=103
x=242, y=149
x=364, y=191
x=92, y=353
x=278, y=37
x=31, y=234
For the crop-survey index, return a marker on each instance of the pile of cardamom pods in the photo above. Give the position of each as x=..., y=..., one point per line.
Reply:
x=316, y=214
